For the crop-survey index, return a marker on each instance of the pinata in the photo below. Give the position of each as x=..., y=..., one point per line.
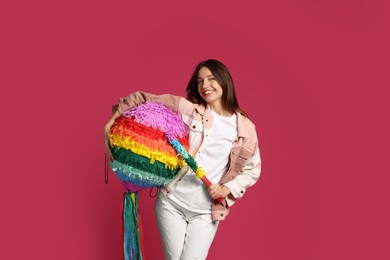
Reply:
x=149, y=147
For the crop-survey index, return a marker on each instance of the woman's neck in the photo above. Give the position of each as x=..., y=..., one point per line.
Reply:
x=219, y=110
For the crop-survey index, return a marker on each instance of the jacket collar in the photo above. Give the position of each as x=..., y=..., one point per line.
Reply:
x=201, y=109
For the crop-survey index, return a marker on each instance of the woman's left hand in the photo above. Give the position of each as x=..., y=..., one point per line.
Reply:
x=217, y=191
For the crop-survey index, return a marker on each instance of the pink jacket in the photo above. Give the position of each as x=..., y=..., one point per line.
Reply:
x=244, y=163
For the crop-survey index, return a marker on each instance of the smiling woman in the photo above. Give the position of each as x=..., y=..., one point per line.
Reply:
x=222, y=140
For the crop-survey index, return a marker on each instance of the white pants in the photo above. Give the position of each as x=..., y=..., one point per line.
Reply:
x=185, y=235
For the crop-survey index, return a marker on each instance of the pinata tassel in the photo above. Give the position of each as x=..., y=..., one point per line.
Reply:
x=132, y=228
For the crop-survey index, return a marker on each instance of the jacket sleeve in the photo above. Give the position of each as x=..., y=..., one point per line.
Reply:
x=139, y=97
x=247, y=177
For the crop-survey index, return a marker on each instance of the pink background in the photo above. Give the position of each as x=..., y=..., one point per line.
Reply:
x=313, y=76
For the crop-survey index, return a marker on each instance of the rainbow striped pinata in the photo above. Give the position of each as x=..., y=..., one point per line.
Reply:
x=150, y=144
x=144, y=158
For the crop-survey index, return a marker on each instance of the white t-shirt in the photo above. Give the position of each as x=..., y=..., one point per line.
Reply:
x=212, y=157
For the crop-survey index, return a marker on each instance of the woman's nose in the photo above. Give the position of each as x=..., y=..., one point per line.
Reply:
x=205, y=83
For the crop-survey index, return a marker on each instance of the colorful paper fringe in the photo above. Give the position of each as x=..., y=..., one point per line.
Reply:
x=150, y=144
x=183, y=152
x=132, y=227
x=143, y=158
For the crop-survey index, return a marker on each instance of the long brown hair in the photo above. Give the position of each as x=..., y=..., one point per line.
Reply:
x=223, y=77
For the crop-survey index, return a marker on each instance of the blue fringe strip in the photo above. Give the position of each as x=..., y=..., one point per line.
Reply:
x=132, y=236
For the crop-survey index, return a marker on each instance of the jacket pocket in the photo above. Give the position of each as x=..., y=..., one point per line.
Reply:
x=196, y=126
x=243, y=155
x=196, y=135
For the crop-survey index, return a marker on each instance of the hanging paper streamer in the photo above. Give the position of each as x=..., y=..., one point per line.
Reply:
x=150, y=144
x=132, y=228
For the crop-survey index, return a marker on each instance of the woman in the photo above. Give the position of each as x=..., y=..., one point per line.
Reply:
x=223, y=142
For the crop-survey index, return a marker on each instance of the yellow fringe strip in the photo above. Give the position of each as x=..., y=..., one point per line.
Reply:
x=172, y=162
x=156, y=144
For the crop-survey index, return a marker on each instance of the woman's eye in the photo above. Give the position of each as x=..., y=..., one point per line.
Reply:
x=211, y=78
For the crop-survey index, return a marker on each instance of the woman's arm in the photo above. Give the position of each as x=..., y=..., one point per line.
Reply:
x=139, y=97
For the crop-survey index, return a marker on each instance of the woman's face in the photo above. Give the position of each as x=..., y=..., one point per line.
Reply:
x=209, y=89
